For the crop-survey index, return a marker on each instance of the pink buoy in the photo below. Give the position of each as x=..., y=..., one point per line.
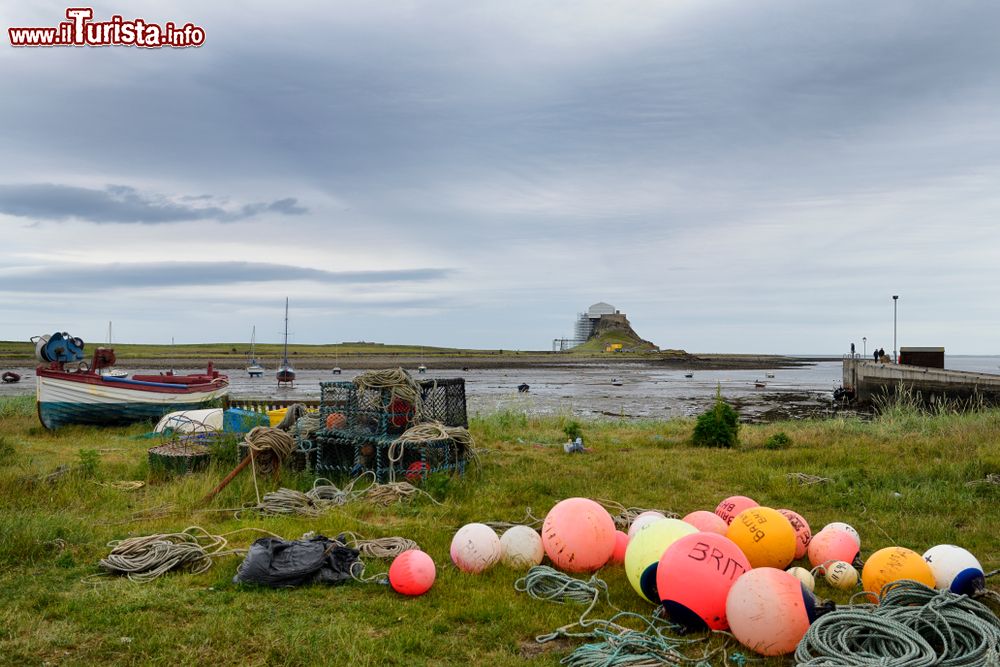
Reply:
x=733, y=505
x=802, y=532
x=578, y=535
x=832, y=544
x=412, y=573
x=621, y=544
x=706, y=522
x=694, y=577
x=769, y=611
x=475, y=547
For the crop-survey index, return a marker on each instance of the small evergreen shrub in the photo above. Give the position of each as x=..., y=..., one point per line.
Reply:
x=717, y=427
x=779, y=440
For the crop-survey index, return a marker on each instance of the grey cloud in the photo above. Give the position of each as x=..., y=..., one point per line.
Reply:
x=201, y=274
x=121, y=204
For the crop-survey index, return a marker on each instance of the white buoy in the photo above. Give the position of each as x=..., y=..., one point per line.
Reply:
x=521, y=547
x=955, y=569
x=803, y=575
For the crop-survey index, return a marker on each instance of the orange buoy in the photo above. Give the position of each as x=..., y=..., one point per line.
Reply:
x=621, y=544
x=765, y=536
x=892, y=564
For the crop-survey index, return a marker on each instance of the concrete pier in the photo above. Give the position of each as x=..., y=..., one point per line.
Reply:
x=867, y=379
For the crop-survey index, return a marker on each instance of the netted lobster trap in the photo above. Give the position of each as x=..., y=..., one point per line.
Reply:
x=342, y=455
x=361, y=424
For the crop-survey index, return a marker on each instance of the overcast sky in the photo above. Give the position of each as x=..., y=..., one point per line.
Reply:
x=735, y=176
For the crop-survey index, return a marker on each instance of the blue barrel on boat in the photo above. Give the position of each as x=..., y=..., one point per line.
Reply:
x=62, y=347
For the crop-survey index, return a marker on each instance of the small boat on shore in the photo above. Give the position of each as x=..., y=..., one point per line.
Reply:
x=70, y=391
x=760, y=384
x=10, y=377
x=286, y=374
x=254, y=368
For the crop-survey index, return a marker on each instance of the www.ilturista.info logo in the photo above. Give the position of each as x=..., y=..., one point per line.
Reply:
x=80, y=30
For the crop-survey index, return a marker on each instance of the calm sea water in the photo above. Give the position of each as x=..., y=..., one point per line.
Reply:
x=645, y=392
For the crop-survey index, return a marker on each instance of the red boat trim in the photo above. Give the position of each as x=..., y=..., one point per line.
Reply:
x=137, y=386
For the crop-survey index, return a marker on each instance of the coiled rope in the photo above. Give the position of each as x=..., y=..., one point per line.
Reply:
x=912, y=626
x=399, y=383
x=268, y=447
x=143, y=559
x=624, y=516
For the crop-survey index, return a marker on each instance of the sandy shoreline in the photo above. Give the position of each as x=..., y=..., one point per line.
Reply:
x=506, y=360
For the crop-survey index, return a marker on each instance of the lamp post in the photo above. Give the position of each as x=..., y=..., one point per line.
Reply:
x=864, y=342
x=895, y=300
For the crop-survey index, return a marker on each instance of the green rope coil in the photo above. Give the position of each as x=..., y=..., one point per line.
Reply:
x=912, y=626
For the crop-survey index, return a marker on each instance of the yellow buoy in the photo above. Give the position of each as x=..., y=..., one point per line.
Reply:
x=765, y=536
x=891, y=564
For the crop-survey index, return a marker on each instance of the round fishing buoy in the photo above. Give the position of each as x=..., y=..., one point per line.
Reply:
x=417, y=472
x=832, y=544
x=840, y=525
x=802, y=532
x=733, y=505
x=955, y=569
x=400, y=412
x=621, y=544
x=805, y=576
x=578, y=535
x=892, y=564
x=475, y=548
x=644, y=520
x=840, y=575
x=335, y=420
x=521, y=547
x=645, y=550
x=706, y=522
x=694, y=576
x=769, y=611
x=765, y=536
x=412, y=573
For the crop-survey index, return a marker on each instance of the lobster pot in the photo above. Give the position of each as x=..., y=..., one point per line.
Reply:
x=444, y=401
x=371, y=412
x=337, y=454
x=414, y=460
x=178, y=458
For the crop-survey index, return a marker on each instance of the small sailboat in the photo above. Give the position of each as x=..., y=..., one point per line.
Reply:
x=421, y=368
x=336, y=356
x=615, y=382
x=689, y=375
x=113, y=372
x=286, y=374
x=254, y=368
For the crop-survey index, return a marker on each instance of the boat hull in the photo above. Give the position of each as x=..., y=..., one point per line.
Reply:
x=103, y=401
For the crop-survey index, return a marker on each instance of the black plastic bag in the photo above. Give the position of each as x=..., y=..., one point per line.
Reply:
x=283, y=563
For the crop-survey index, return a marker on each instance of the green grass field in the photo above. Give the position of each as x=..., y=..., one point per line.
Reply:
x=900, y=479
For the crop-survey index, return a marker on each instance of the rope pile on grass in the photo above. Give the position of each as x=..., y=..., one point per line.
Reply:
x=624, y=516
x=145, y=558
x=912, y=626
x=268, y=447
x=619, y=645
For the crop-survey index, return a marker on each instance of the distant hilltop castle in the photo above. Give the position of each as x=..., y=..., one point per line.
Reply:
x=602, y=320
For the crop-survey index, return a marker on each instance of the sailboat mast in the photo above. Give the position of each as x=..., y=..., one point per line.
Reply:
x=286, y=331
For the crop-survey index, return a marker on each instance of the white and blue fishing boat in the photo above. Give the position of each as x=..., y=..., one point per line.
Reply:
x=70, y=391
